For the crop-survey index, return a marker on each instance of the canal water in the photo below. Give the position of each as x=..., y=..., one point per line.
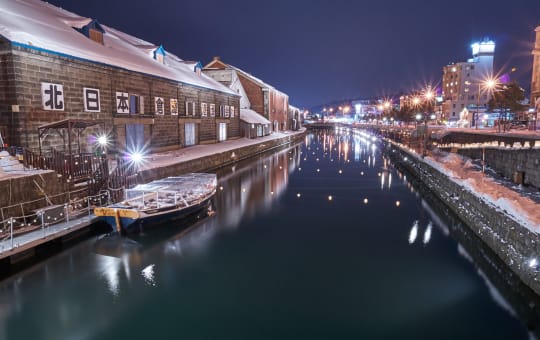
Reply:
x=321, y=240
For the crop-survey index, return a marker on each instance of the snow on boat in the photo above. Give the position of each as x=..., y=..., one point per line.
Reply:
x=163, y=200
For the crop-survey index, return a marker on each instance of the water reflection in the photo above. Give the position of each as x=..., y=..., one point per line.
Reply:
x=344, y=250
x=504, y=287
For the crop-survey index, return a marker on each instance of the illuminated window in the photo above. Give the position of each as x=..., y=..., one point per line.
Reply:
x=204, y=109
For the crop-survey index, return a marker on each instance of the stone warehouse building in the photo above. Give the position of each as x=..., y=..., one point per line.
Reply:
x=57, y=67
x=258, y=96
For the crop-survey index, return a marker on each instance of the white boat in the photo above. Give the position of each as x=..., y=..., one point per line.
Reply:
x=160, y=201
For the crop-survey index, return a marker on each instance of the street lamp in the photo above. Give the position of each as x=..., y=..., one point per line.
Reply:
x=429, y=97
x=488, y=84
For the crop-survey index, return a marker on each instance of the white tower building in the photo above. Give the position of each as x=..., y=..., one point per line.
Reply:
x=464, y=97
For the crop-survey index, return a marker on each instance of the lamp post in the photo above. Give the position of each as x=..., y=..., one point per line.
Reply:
x=324, y=112
x=488, y=85
x=429, y=96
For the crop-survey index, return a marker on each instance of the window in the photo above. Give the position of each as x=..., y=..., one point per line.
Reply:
x=227, y=111
x=159, y=54
x=174, y=107
x=204, y=109
x=212, y=110
x=222, y=110
x=190, y=108
x=136, y=104
x=232, y=111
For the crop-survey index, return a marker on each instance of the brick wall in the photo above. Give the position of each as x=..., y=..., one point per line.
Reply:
x=279, y=109
x=254, y=93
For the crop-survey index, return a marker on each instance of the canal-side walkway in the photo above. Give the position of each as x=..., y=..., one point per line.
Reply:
x=15, y=248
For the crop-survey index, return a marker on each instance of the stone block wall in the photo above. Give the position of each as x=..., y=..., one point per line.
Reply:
x=22, y=70
x=509, y=161
x=513, y=243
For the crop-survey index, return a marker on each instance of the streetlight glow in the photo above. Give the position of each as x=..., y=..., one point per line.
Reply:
x=102, y=140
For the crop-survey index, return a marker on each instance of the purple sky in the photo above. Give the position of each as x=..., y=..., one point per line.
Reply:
x=318, y=51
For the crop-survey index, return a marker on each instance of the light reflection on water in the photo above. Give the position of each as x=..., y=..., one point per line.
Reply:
x=280, y=259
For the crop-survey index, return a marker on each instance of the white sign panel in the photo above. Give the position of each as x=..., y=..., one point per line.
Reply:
x=52, y=96
x=159, y=105
x=91, y=100
x=122, y=102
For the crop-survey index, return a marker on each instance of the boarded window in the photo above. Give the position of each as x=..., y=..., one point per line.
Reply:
x=95, y=35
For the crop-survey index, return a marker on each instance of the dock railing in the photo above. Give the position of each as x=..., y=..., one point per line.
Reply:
x=57, y=214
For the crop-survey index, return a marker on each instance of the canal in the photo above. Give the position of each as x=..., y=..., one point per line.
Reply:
x=321, y=240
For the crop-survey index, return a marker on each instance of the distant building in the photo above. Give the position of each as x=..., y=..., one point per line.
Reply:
x=463, y=93
x=58, y=68
x=535, y=85
x=295, y=118
x=364, y=108
x=265, y=99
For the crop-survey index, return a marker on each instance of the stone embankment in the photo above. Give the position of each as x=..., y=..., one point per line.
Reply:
x=515, y=244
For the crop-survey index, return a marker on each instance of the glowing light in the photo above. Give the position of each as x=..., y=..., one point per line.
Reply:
x=398, y=203
x=533, y=263
x=362, y=173
x=318, y=170
x=330, y=197
x=365, y=201
x=102, y=140
x=136, y=157
x=340, y=172
x=298, y=195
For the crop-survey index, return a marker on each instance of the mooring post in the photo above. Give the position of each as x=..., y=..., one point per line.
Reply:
x=11, y=230
x=42, y=213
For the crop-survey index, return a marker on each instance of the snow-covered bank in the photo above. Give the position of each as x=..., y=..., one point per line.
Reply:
x=504, y=218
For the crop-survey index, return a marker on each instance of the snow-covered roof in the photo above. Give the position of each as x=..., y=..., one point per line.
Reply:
x=247, y=75
x=40, y=25
x=252, y=117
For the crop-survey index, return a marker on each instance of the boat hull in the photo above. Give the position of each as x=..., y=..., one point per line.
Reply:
x=128, y=221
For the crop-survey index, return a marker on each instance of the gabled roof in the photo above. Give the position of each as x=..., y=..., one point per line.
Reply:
x=41, y=26
x=217, y=64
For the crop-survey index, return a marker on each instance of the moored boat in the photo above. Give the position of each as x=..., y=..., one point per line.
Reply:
x=163, y=200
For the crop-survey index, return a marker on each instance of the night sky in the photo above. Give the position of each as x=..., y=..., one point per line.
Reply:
x=319, y=51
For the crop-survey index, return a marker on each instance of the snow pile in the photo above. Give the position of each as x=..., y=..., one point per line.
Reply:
x=520, y=208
